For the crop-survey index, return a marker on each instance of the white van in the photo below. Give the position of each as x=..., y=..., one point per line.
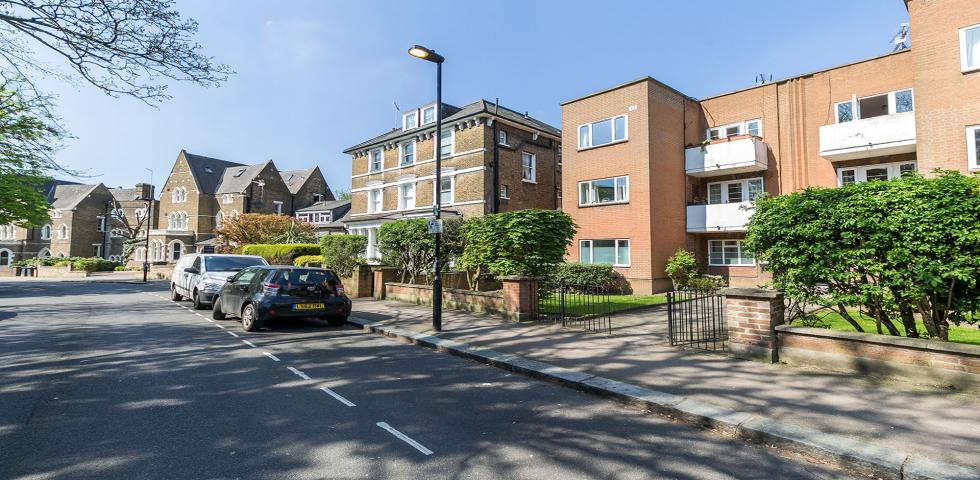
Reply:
x=199, y=276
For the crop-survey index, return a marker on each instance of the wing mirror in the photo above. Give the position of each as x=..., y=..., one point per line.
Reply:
x=192, y=270
x=229, y=279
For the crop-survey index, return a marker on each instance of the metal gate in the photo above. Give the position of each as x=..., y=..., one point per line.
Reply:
x=696, y=319
x=578, y=306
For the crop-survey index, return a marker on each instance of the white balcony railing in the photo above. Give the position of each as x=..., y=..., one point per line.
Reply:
x=727, y=156
x=868, y=137
x=721, y=217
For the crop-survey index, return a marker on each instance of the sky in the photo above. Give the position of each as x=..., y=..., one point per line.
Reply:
x=315, y=77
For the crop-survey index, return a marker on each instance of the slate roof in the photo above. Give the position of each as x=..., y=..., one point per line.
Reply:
x=324, y=205
x=125, y=194
x=295, y=179
x=469, y=110
x=208, y=171
x=49, y=187
x=236, y=179
x=67, y=197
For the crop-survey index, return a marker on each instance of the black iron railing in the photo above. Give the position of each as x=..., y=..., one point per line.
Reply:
x=577, y=306
x=696, y=319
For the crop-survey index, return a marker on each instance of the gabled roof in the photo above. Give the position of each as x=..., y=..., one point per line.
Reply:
x=236, y=179
x=295, y=179
x=324, y=205
x=49, y=187
x=207, y=171
x=469, y=110
x=67, y=197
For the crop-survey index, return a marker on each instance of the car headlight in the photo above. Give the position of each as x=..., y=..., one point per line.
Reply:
x=209, y=285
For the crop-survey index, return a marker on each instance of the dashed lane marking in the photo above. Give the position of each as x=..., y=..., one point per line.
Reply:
x=338, y=397
x=271, y=356
x=299, y=373
x=246, y=342
x=405, y=438
x=232, y=333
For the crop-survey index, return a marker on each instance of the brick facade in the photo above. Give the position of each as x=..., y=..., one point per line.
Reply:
x=789, y=117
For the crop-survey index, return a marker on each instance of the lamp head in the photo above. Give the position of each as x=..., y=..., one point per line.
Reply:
x=419, y=51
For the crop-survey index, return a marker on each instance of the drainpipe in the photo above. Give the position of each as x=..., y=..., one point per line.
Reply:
x=495, y=205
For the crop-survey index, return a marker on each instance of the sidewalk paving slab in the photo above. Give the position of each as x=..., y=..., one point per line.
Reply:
x=833, y=421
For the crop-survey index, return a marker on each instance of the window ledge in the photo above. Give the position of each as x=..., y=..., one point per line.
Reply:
x=971, y=70
x=592, y=205
x=533, y=182
x=617, y=142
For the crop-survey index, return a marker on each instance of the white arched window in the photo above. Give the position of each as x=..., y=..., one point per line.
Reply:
x=62, y=231
x=44, y=253
x=177, y=220
x=179, y=195
x=7, y=232
x=140, y=254
x=175, y=250
x=61, y=255
x=156, y=251
x=6, y=257
x=219, y=219
x=46, y=232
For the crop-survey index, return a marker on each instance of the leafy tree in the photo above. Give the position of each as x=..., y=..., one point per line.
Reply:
x=477, y=245
x=523, y=242
x=343, y=253
x=122, y=47
x=342, y=194
x=28, y=136
x=407, y=246
x=896, y=249
x=258, y=228
x=681, y=267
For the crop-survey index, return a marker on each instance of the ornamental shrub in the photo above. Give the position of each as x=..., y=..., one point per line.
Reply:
x=523, y=242
x=407, y=246
x=601, y=274
x=93, y=264
x=343, y=253
x=681, y=267
x=898, y=249
x=281, y=254
x=308, y=261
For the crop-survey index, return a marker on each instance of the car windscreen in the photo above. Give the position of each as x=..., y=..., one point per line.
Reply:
x=302, y=276
x=230, y=264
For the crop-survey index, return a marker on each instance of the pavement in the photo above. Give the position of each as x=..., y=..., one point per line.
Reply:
x=114, y=381
x=903, y=428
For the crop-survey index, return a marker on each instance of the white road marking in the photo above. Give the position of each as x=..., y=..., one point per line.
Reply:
x=338, y=397
x=271, y=356
x=232, y=333
x=299, y=373
x=405, y=438
x=199, y=315
x=249, y=343
x=208, y=319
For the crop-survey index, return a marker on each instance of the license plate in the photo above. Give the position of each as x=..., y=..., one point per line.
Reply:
x=308, y=306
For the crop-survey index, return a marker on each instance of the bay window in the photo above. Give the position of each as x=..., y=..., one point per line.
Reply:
x=603, y=190
x=602, y=132
x=614, y=252
x=410, y=120
x=729, y=252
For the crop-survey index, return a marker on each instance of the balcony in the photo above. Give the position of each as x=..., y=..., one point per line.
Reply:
x=720, y=217
x=868, y=137
x=726, y=156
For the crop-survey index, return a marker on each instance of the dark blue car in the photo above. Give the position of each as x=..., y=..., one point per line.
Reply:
x=260, y=293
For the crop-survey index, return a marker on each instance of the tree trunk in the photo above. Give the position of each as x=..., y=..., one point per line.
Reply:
x=847, y=316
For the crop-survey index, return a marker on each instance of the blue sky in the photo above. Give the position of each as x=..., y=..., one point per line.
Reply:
x=315, y=77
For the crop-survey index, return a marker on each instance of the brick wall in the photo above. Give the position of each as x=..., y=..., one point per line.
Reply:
x=930, y=361
x=752, y=315
x=480, y=302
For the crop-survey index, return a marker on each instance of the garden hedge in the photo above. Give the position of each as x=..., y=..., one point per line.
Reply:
x=281, y=254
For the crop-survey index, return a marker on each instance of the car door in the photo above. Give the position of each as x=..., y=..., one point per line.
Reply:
x=191, y=279
x=180, y=277
x=238, y=291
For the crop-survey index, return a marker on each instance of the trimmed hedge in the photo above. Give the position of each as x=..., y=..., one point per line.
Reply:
x=600, y=274
x=281, y=254
x=308, y=261
x=94, y=265
x=343, y=253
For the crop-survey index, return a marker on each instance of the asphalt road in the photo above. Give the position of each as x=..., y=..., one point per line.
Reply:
x=112, y=380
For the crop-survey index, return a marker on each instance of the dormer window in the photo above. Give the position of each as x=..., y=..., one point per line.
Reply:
x=429, y=115
x=410, y=120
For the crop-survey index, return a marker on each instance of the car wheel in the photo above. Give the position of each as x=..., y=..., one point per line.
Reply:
x=216, y=312
x=337, y=321
x=174, y=296
x=197, y=301
x=250, y=321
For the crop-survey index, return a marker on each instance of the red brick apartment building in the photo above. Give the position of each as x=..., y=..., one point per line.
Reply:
x=648, y=169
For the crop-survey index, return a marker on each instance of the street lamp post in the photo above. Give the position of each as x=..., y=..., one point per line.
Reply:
x=149, y=220
x=431, y=56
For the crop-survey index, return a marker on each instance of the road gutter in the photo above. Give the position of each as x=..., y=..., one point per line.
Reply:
x=842, y=451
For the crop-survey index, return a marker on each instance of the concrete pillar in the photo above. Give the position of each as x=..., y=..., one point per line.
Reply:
x=752, y=315
x=520, y=297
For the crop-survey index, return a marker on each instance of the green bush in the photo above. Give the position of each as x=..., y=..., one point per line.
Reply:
x=343, y=253
x=308, y=261
x=682, y=267
x=705, y=282
x=407, y=246
x=523, y=242
x=120, y=268
x=584, y=274
x=92, y=264
x=281, y=254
